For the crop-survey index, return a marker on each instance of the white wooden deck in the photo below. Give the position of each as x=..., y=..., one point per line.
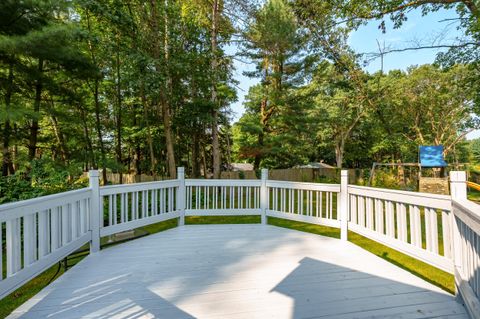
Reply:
x=238, y=271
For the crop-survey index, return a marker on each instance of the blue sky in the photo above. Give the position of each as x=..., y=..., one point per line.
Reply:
x=417, y=29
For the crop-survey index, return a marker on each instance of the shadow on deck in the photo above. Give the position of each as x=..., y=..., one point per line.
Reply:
x=238, y=271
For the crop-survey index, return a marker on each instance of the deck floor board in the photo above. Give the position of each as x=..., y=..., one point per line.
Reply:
x=238, y=271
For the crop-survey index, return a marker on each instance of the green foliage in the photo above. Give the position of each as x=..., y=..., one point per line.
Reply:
x=44, y=178
x=426, y=105
x=475, y=150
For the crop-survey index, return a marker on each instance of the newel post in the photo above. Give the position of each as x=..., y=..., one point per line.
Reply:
x=264, y=195
x=95, y=211
x=181, y=195
x=458, y=191
x=344, y=205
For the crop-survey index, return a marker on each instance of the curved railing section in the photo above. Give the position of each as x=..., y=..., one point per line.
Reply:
x=131, y=206
x=40, y=232
x=467, y=253
x=306, y=202
x=211, y=197
x=417, y=224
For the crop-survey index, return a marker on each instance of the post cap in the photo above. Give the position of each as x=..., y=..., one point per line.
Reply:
x=458, y=176
x=93, y=173
x=344, y=172
x=264, y=172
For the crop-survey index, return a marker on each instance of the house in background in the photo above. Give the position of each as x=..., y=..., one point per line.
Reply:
x=320, y=164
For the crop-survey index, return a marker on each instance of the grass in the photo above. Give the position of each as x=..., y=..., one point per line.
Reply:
x=418, y=268
x=203, y=220
x=473, y=195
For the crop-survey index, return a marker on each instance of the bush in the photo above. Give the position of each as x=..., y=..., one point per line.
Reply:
x=43, y=178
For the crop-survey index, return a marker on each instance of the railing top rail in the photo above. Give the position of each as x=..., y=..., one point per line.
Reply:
x=114, y=189
x=10, y=210
x=223, y=182
x=302, y=185
x=468, y=212
x=413, y=198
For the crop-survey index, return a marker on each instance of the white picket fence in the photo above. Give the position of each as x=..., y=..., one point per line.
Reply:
x=443, y=231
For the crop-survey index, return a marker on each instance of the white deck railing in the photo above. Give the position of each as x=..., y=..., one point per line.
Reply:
x=136, y=205
x=443, y=231
x=222, y=197
x=417, y=224
x=306, y=202
x=39, y=232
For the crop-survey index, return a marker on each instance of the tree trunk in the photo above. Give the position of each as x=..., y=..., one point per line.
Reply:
x=119, y=115
x=339, y=150
x=32, y=141
x=204, y=161
x=137, y=153
x=153, y=160
x=166, y=110
x=215, y=133
x=98, y=126
x=7, y=167
x=195, y=155
x=259, y=154
x=164, y=98
x=60, y=139
x=87, y=137
x=99, y=132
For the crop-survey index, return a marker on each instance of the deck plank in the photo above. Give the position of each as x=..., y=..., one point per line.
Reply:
x=238, y=271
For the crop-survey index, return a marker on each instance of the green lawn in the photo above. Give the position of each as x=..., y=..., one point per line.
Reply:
x=418, y=268
x=473, y=195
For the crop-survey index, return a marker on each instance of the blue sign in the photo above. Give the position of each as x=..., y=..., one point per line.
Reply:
x=432, y=156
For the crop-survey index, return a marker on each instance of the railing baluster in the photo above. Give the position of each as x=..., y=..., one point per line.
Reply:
x=29, y=239
x=330, y=216
x=300, y=201
x=379, y=222
x=400, y=221
x=310, y=201
x=122, y=208
x=415, y=226
x=55, y=220
x=74, y=220
x=361, y=211
x=353, y=209
x=369, y=213
x=431, y=230
x=446, y=234
x=83, y=217
x=297, y=196
x=13, y=246
x=43, y=233
x=65, y=225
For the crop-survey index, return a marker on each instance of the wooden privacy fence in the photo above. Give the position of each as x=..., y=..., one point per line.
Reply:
x=295, y=174
x=114, y=178
x=440, y=230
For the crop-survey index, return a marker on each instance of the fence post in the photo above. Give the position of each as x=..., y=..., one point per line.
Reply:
x=264, y=195
x=344, y=205
x=458, y=184
x=458, y=190
x=181, y=195
x=95, y=210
